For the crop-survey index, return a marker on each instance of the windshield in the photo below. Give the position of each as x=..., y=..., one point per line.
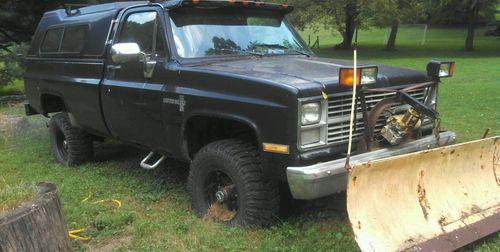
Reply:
x=212, y=32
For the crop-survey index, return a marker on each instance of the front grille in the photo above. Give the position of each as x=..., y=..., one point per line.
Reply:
x=339, y=110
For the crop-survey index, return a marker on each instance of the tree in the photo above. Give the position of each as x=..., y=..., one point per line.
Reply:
x=19, y=19
x=471, y=8
x=470, y=11
x=343, y=16
x=391, y=13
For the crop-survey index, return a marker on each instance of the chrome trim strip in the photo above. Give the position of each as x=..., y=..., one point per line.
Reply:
x=322, y=179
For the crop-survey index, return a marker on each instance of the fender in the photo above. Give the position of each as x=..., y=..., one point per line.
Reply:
x=222, y=115
x=53, y=93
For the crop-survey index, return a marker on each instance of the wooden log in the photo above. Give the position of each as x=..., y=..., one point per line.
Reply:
x=37, y=225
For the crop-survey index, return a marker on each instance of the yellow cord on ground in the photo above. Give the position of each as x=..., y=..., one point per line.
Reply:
x=73, y=234
x=88, y=197
x=117, y=202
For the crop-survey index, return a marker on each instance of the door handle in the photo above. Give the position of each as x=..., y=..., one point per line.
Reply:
x=113, y=67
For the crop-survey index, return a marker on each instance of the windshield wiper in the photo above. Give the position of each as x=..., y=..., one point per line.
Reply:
x=302, y=52
x=242, y=51
x=278, y=46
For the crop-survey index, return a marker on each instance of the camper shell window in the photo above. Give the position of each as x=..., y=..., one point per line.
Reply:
x=74, y=38
x=52, y=40
x=65, y=40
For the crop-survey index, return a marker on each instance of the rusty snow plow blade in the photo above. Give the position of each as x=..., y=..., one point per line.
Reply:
x=436, y=200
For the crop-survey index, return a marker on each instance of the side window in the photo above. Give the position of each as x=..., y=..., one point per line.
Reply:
x=144, y=29
x=74, y=39
x=52, y=40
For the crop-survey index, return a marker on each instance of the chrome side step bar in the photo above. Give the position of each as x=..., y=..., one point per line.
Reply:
x=146, y=166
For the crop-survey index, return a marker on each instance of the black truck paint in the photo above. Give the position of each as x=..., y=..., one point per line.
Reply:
x=168, y=112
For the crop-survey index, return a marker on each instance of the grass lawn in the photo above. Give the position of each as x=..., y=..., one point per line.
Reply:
x=155, y=214
x=15, y=87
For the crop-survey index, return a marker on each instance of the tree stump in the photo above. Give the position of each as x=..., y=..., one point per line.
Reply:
x=37, y=225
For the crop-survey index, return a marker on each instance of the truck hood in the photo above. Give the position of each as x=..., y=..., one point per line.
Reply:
x=308, y=75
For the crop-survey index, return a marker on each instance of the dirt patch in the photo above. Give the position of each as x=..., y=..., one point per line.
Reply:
x=113, y=244
x=14, y=122
x=218, y=212
x=11, y=124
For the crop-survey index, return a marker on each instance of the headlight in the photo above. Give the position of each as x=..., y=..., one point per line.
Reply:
x=368, y=76
x=312, y=123
x=446, y=70
x=310, y=136
x=311, y=113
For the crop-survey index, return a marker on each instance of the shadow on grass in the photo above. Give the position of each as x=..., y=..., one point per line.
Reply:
x=409, y=51
x=175, y=173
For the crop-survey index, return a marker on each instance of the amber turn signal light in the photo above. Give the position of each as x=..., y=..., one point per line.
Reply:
x=276, y=148
x=347, y=77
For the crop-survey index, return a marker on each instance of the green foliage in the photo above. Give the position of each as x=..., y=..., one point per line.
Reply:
x=341, y=16
x=457, y=11
x=382, y=13
x=16, y=87
x=322, y=14
x=331, y=14
x=11, y=64
x=19, y=19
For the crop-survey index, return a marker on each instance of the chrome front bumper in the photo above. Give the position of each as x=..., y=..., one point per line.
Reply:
x=319, y=180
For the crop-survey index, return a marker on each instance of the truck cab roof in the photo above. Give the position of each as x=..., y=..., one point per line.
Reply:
x=169, y=4
x=98, y=18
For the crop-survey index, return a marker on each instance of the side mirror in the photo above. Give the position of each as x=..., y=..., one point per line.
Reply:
x=125, y=52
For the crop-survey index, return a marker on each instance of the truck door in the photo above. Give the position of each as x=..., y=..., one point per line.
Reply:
x=131, y=102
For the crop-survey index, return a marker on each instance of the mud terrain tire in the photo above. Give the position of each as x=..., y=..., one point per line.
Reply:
x=257, y=198
x=71, y=146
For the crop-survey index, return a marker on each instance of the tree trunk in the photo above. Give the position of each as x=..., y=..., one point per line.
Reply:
x=391, y=42
x=472, y=15
x=37, y=225
x=351, y=14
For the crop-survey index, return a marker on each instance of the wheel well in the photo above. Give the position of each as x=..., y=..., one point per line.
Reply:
x=52, y=103
x=202, y=130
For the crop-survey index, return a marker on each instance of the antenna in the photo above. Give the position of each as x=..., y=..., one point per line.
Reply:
x=354, y=98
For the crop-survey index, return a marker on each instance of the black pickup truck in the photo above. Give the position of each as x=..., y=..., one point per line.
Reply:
x=229, y=87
